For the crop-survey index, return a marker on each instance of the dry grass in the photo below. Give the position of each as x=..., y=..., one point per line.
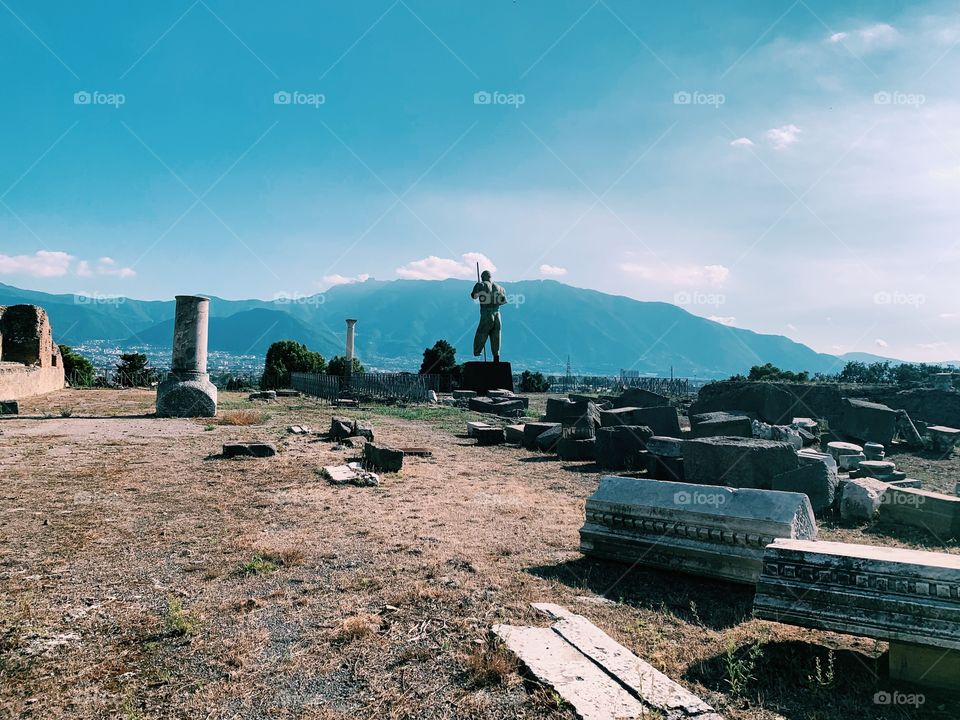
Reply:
x=356, y=627
x=296, y=598
x=242, y=418
x=489, y=663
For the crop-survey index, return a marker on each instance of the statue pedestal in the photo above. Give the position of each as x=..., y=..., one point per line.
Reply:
x=483, y=377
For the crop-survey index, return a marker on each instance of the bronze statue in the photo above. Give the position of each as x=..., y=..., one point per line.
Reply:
x=491, y=296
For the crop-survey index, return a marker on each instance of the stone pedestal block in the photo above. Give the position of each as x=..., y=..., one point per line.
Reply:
x=482, y=377
x=187, y=390
x=700, y=529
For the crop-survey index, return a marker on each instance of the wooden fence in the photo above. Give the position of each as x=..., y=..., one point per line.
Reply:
x=384, y=387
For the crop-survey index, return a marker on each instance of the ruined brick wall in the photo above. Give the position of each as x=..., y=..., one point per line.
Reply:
x=27, y=337
x=30, y=362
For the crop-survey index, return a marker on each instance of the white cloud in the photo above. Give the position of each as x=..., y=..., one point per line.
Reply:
x=437, y=268
x=552, y=271
x=331, y=280
x=932, y=346
x=108, y=266
x=42, y=264
x=742, y=142
x=879, y=36
x=685, y=275
x=722, y=320
x=881, y=343
x=84, y=269
x=783, y=137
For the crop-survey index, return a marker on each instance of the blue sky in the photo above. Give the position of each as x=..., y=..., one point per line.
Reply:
x=789, y=167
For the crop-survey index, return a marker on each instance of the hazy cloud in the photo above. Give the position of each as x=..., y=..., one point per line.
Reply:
x=783, y=137
x=552, y=271
x=42, y=264
x=437, y=268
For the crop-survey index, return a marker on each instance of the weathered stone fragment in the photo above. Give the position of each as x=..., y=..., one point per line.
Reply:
x=464, y=394
x=863, y=420
x=663, y=419
x=581, y=420
x=700, y=529
x=9, y=407
x=622, y=447
x=937, y=513
x=889, y=594
x=548, y=439
x=557, y=409
x=816, y=481
x=489, y=436
x=533, y=430
x=737, y=462
x=720, y=424
x=576, y=448
x=249, y=449
x=860, y=499
x=640, y=398
x=513, y=434
x=943, y=439
x=383, y=459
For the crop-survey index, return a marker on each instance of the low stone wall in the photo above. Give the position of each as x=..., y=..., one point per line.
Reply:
x=22, y=381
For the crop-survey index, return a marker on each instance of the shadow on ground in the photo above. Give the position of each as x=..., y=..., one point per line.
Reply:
x=686, y=597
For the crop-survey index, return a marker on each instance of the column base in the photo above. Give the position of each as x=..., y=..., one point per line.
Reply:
x=187, y=397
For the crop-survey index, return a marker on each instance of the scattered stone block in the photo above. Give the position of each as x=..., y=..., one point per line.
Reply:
x=700, y=529
x=341, y=428
x=533, y=430
x=490, y=435
x=937, y=513
x=720, y=424
x=847, y=455
x=860, y=499
x=514, y=434
x=878, y=469
x=502, y=407
x=249, y=449
x=663, y=419
x=548, y=439
x=581, y=420
x=472, y=427
x=357, y=441
x=737, y=462
x=384, y=459
x=576, y=448
x=889, y=594
x=863, y=420
x=818, y=481
x=640, y=398
x=288, y=393
x=464, y=394
x=943, y=439
x=907, y=430
x=263, y=395
x=351, y=474
x=622, y=447
x=873, y=451
x=660, y=696
x=557, y=409
x=9, y=407
x=665, y=447
x=906, y=483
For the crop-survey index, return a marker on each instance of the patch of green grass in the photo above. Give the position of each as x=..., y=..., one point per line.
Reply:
x=180, y=622
x=266, y=562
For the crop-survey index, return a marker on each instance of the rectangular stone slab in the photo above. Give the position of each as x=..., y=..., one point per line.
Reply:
x=909, y=596
x=643, y=680
x=592, y=693
x=705, y=530
x=936, y=513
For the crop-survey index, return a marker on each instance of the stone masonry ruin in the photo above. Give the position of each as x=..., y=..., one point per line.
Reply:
x=30, y=361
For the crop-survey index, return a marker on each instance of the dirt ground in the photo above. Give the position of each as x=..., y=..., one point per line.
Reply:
x=144, y=576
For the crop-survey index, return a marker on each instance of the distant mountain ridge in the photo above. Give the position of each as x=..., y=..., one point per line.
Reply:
x=601, y=333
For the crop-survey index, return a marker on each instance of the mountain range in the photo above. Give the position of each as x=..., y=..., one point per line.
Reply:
x=546, y=322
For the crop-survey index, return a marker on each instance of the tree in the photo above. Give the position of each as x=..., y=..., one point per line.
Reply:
x=338, y=366
x=533, y=382
x=771, y=372
x=133, y=370
x=76, y=367
x=285, y=357
x=441, y=359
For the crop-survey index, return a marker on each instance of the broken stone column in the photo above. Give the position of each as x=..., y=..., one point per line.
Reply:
x=187, y=391
x=350, y=334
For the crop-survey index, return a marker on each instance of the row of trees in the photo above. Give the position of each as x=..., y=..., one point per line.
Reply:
x=876, y=373
x=288, y=356
x=133, y=370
